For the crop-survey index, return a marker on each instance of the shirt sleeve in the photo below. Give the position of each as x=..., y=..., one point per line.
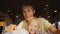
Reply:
x=46, y=23
x=20, y=25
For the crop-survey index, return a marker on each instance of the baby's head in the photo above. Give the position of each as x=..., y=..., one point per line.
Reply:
x=33, y=27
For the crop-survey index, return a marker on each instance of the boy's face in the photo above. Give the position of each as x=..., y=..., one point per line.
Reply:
x=27, y=12
x=33, y=27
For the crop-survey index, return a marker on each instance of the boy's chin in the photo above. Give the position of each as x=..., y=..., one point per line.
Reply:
x=32, y=32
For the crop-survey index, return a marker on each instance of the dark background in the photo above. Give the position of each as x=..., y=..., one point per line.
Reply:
x=11, y=10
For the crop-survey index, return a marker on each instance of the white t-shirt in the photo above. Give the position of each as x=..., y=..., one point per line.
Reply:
x=21, y=31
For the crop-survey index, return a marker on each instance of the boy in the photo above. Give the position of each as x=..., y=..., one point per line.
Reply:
x=33, y=27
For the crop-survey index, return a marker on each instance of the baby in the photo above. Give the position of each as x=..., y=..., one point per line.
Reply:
x=33, y=27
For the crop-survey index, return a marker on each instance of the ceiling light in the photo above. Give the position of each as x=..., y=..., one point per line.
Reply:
x=55, y=11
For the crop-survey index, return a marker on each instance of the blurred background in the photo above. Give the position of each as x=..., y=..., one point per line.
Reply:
x=11, y=11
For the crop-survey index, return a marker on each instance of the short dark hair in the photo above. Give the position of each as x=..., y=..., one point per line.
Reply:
x=28, y=7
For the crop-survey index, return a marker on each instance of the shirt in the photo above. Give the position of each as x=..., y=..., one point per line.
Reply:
x=21, y=31
x=43, y=24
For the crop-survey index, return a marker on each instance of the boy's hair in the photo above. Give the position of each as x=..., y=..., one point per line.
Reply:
x=28, y=6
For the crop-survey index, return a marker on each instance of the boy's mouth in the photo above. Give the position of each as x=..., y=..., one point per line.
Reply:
x=32, y=30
